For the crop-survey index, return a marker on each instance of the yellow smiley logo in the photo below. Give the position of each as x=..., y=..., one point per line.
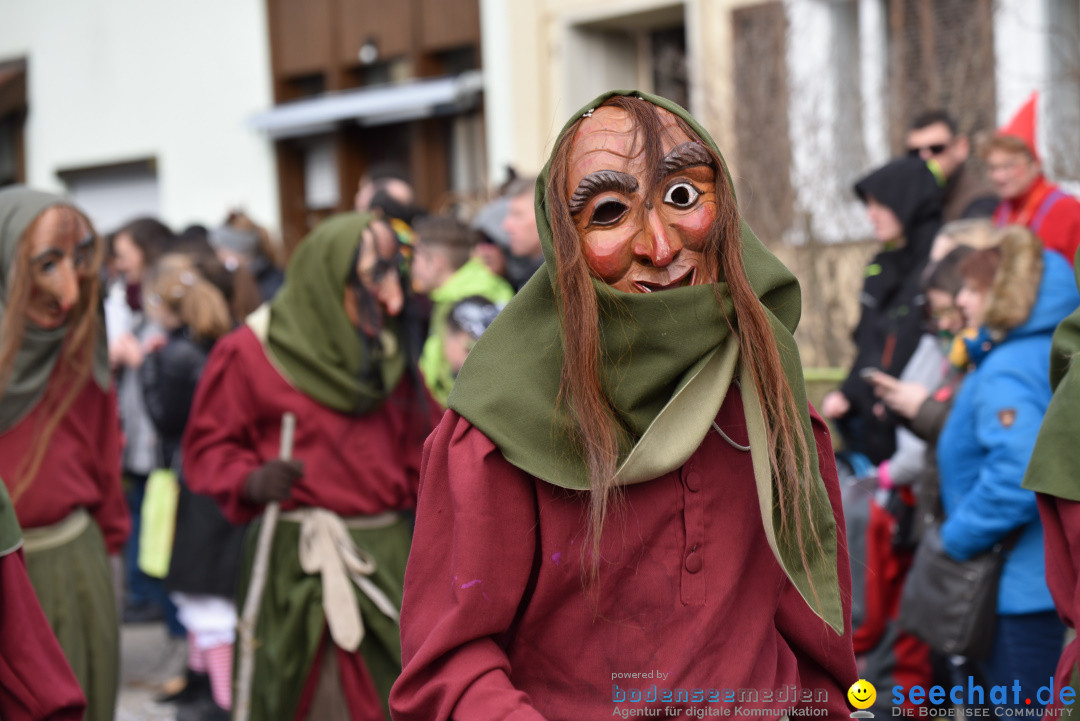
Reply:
x=862, y=694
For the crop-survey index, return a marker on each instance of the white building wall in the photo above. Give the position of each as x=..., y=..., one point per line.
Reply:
x=534, y=51
x=1020, y=53
x=516, y=85
x=1037, y=48
x=873, y=79
x=825, y=114
x=499, y=80
x=117, y=80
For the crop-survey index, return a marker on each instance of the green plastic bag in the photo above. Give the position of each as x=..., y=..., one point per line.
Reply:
x=158, y=522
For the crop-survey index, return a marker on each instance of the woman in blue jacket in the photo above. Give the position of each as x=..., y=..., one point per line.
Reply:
x=987, y=441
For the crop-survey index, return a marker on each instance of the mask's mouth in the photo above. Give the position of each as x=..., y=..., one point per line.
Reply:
x=50, y=314
x=687, y=278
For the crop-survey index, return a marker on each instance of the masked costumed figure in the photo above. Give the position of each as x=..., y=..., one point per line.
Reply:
x=330, y=348
x=630, y=502
x=1052, y=474
x=59, y=431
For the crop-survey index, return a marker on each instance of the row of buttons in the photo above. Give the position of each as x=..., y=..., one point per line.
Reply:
x=694, y=510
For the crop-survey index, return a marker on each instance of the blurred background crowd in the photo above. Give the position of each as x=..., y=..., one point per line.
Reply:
x=911, y=161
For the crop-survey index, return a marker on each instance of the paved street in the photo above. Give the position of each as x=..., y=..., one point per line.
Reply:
x=148, y=659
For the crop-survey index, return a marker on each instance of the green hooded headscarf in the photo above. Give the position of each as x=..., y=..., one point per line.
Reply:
x=309, y=337
x=1056, y=456
x=667, y=361
x=40, y=348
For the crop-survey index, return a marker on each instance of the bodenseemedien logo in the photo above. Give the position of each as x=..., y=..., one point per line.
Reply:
x=861, y=696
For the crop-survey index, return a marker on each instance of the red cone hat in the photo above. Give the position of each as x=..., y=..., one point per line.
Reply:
x=1022, y=125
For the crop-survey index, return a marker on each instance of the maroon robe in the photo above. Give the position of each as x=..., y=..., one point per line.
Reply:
x=496, y=625
x=36, y=682
x=81, y=468
x=354, y=465
x=1061, y=538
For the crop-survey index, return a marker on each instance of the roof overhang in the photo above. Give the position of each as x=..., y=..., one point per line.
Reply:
x=377, y=105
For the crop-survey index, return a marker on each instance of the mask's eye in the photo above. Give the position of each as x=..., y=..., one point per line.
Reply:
x=47, y=262
x=84, y=253
x=607, y=212
x=681, y=195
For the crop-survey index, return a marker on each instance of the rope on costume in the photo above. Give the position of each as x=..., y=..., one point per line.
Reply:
x=246, y=668
x=327, y=549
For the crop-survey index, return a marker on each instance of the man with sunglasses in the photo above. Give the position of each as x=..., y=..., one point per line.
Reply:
x=933, y=136
x=337, y=349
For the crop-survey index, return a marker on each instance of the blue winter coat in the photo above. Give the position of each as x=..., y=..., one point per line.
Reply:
x=986, y=444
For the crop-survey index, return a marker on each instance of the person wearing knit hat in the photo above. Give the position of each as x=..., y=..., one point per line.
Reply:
x=233, y=242
x=468, y=320
x=629, y=499
x=241, y=243
x=1028, y=198
x=494, y=244
x=59, y=433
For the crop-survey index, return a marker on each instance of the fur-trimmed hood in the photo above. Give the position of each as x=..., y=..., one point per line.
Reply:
x=1033, y=288
x=1016, y=283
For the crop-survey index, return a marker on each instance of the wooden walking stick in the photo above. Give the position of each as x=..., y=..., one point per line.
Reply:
x=246, y=669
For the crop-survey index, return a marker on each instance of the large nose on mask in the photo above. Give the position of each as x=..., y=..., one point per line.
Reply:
x=390, y=294
x=658, y=244
x=67, y=289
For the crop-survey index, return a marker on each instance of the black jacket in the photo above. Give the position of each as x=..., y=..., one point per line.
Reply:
x=892, y=303
x=268, y=277
x=169, y=377
x=207, y=547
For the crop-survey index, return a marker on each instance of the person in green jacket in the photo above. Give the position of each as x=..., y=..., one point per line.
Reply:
x=443, y=269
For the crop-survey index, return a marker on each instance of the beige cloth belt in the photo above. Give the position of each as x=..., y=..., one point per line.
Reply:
x=44, y=538
x=327, y=548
